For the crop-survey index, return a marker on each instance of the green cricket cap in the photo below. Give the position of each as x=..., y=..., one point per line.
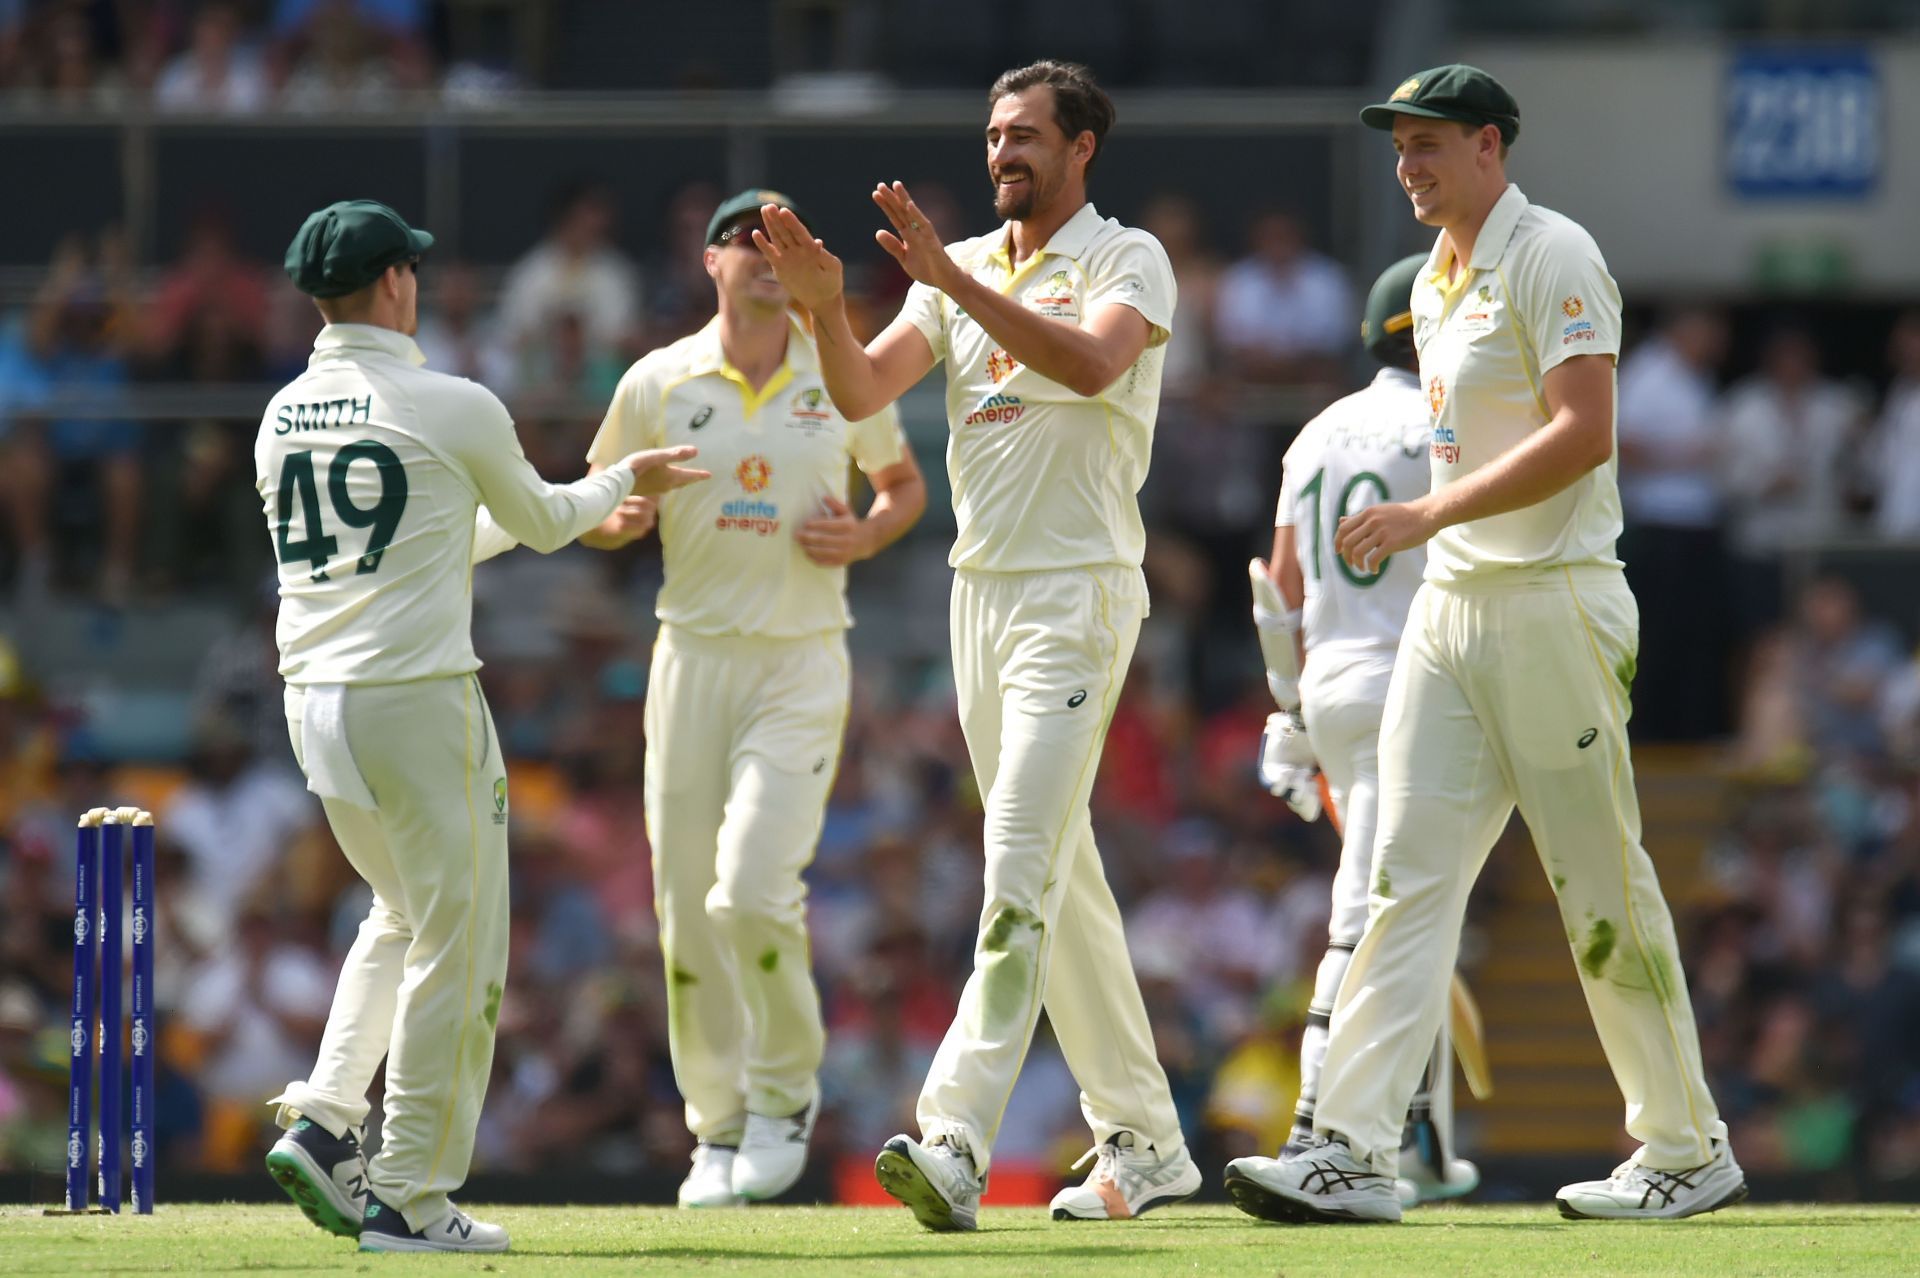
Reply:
x=345, y=247
x=1453, y=92
x=1386, y=330
x=748, y=201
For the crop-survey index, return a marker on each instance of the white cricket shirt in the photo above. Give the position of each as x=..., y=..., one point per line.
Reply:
x=1535, y=293
x=1367, y=448
x=732, y=565
x=373, y=472
x=1042, y=478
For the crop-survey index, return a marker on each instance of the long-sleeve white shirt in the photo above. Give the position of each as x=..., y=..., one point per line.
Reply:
x=383, y=483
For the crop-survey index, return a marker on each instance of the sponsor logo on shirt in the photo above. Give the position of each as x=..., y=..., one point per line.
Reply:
x=996, y=408
x=1000, y=366
x=753, y=473
x=1436, y=394
x=1572, y=307
x=1578, y=331
x=753, y=515
x=701, y=418
x=1446, y=446
x=1054, y=298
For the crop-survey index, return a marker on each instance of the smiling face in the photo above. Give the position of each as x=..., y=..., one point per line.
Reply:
x=1446, y=167
x=741, y=271
x=1030, y=158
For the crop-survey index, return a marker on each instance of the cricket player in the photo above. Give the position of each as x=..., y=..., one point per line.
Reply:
x=382, y=484
x=1510, y=688
x=748, y=696
x=1329, y=635
x=1051, y=329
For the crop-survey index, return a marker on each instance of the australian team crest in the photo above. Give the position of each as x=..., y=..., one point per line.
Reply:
x=500, y=801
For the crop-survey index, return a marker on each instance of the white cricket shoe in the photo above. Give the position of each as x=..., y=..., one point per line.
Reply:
x=936, y=1181
x=772, y=1153
x=1325, y=1184
x=384, y=1229
x=710, y=1182
x=324, y=1174
x=1634, y=1192
x=1424, y=1187
x=1127, y=1178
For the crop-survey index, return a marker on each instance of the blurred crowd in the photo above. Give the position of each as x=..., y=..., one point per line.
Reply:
x=1805, y=951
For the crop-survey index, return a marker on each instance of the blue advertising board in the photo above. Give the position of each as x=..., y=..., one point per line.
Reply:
x=1803, y=121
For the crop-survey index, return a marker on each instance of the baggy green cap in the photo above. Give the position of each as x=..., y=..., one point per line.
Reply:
x=748, y=201
x=345, y=247
x=1453, y=92
x=1386, y=330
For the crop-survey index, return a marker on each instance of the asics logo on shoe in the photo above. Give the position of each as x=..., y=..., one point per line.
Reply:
x=1325, y=1178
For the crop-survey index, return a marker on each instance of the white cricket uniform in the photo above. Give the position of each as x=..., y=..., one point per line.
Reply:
x=746, y=705
x=1048, y=598
x=1511, y=687
x=382, y=484
x=1367, y=448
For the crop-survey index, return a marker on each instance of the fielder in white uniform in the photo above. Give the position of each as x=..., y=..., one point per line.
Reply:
x=1051, y=329
x=1330, y=634
x=382, y=484
x=1510, y=688
x=748, y=696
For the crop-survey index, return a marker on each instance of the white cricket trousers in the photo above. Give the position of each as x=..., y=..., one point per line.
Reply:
x=743, y=741
x=1038, y=662
x=1515, y=691
x=422, y=982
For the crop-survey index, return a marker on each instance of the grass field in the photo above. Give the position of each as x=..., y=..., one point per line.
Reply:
x=1483, y=1241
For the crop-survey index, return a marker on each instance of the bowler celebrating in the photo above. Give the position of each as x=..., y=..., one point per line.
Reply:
x=1051, y=329
x=748, y=695
x=1510, y=688
x=383, y=483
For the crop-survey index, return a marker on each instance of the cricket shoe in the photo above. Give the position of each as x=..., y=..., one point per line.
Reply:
x=324, y=1174
x=1422, y=1186
x=710, y=1182
x=1128, y=1178
x=936, y=1181
x=772, y=1153
x=1326, y=1184
x=1634, y=1192
x=384, y=1229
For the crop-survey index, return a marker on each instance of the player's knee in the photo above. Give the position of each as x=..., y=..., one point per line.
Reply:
x=736, y=907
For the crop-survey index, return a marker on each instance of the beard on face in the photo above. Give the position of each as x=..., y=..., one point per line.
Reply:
x=1016, y=205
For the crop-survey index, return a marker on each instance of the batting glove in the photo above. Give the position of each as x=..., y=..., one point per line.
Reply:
x=1287, y=767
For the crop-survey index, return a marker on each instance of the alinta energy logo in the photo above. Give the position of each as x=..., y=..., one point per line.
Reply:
x=1436, y=394
x=751, y=514
x=1573, y=307
x=1000, y=366
x=996, y=409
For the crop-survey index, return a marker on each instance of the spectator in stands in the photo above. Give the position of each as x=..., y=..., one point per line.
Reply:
x=1285, y=313
x=1175, y=221
x=238, y=678
x=1896, y=451
x=218, y=70
x=1845, y=663
x=235, y=818
x=1787, y=463
x=679, y=294
x=84, y=469
x=347, y=59
x=574, y=270
x=1206, y=927
x=205, y=318
x=60, y=65
x=255, y=1006
x=458, y=334
x=1670, y=438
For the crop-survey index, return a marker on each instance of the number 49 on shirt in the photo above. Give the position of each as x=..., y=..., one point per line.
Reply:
x=316, y=546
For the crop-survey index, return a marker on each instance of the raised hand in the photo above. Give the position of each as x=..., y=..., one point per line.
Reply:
x=914, y=241
x=812, y=276
x=655, y=473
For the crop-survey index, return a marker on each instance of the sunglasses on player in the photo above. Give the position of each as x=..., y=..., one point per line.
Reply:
x=740, y=233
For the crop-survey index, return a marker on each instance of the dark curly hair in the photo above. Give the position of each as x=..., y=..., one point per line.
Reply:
x=1079, y=104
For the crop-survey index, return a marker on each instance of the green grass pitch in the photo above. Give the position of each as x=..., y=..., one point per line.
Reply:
x=1482, y=1241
